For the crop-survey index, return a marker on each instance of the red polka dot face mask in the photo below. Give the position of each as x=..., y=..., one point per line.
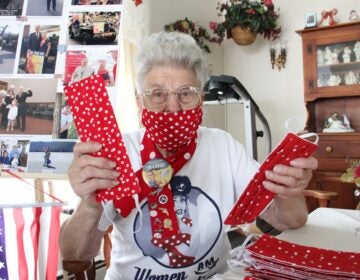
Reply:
x=172, y=130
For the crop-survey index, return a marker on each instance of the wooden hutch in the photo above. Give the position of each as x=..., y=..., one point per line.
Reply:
x=331, y=65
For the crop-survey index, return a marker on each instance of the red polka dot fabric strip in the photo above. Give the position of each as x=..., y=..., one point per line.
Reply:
x=272, y=258
x=256, y=198
x=95, y=121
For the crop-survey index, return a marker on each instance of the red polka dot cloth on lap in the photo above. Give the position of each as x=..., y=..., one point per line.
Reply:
x=95, y=121
x=256, y=198
x=272, y=258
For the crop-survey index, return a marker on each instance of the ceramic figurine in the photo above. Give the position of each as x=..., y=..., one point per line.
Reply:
x=357, y=51
x=353, y=16
x=320, y=57
x=350, y=78
x=334, y=80
x=334, y=125
x=346, y=55
x=346, y=122
x=328, y=56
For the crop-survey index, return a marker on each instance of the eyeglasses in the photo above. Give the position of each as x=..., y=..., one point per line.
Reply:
x=156, y=98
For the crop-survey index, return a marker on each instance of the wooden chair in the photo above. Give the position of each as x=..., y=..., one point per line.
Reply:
x=322, y=198
x=85, y=270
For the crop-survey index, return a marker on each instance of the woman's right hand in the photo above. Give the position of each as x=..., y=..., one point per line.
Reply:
x=88, y=173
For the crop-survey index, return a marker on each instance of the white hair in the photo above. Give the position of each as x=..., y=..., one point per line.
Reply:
x=171, y=49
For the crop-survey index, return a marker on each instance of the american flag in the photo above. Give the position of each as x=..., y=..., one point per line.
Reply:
x=29, y=242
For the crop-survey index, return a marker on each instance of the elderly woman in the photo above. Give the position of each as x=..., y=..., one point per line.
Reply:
x=209, y=171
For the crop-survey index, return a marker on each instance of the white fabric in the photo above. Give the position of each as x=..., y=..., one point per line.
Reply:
x=219, y=171
x=338, y=225
x=136, y=21
x=13, y=112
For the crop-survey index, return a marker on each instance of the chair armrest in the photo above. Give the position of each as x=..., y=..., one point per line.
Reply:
x=322, y=196
x=83, y=270
x=77, y=266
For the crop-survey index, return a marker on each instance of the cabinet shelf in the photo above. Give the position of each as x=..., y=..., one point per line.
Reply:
x=339, y=67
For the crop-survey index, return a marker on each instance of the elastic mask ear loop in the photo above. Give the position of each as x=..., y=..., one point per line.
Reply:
x=238, y=255
x=292, y=124
x=137, y=205
x=107, y=213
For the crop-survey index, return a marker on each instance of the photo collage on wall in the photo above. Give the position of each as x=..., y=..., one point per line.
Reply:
x=46, y=45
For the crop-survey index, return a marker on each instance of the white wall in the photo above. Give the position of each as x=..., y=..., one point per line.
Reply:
x=278, y=94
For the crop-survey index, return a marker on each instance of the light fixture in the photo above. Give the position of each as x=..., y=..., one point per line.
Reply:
x=278, y=53
x=224, y=89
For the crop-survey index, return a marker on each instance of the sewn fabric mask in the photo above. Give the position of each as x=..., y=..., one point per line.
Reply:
x=172, y=130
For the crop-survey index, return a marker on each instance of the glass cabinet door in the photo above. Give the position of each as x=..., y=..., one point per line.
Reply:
x=338, y=64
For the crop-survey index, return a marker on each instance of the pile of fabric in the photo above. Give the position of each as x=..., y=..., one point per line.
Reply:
x=272, y=258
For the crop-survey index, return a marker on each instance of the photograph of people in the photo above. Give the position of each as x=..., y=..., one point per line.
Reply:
x=93, y=28
x=96, y=2
x=82, y=71
x=50, y=156
x=14, y=154
x=45, y=8
x=9, y=35
x=65, y=122
x=38, y=52
x=104, y=72
x=35, y=106
x=11, y=7
x=183, y=222
x=82, y=64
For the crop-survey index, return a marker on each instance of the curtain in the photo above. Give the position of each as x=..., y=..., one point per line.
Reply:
x=134, y=27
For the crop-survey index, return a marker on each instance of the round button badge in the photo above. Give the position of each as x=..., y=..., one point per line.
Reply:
x=157, y=173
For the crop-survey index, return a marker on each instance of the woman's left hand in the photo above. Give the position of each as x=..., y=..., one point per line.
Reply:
x=290, y=181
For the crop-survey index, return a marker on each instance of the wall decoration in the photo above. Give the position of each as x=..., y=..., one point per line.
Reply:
x=241, y=18
x=40, y=50
x=199, y=33
x=328, y=16
x=81, y=64
x=50, y=156
x=95, y=2
x=310, y=20
x=97, y=28
x=11, y=7
x=45, y=8
x=9, y=36
x=35, y=112
x=14, y=154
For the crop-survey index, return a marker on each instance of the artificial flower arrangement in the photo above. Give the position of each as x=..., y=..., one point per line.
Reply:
x=352, y=175
x=199, y=33
x=259, y=16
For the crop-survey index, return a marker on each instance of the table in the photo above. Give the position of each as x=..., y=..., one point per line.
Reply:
x=327, y=228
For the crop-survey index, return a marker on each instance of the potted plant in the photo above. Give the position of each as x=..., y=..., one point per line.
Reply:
x=244, y=19
x=352, y=175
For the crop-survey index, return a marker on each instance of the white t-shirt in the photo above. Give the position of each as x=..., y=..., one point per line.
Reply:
x=66, y=119
x=218, y=171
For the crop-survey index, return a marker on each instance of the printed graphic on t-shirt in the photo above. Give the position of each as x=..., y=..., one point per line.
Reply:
x=199, y=222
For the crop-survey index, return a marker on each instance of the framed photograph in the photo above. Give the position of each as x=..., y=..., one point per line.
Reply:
x=310, y=20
